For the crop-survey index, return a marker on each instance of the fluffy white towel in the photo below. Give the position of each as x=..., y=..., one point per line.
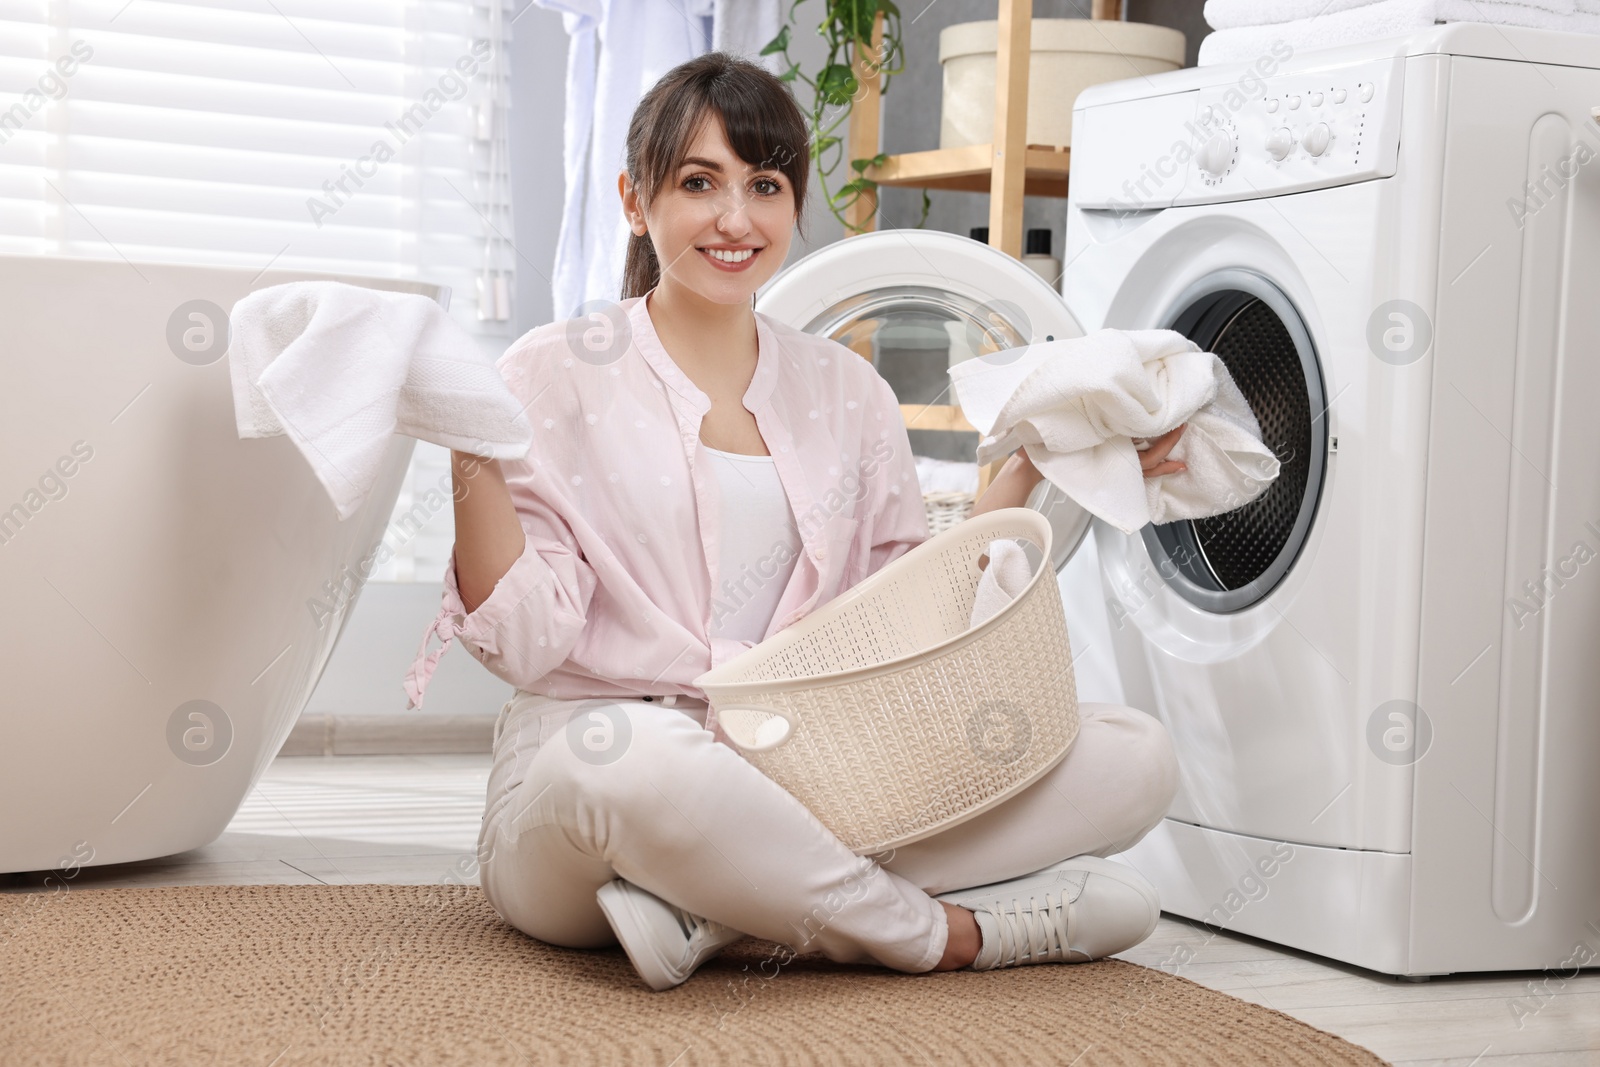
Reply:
x=1004, y=579
x=1235, y=14
x=341, y=369
x=934, y=475
x=1077, y=404
x=1368, y=21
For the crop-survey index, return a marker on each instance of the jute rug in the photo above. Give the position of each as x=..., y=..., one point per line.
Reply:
x=280, y=975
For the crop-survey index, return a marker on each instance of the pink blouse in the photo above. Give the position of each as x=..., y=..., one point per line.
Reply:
x=617, y=586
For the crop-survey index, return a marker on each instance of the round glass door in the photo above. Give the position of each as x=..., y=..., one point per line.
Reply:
x=913, y=334
x=1231, y=561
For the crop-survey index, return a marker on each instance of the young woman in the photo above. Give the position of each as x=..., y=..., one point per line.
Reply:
x=700, y=477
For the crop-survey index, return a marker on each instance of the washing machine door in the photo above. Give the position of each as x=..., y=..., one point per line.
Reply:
x=915, y=303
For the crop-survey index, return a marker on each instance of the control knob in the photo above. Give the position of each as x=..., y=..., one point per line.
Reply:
x=1316, y=139
x=1279, y=141
x=1217, y=154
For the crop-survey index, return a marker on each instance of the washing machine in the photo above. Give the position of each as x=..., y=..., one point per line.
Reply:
x=1382, y=676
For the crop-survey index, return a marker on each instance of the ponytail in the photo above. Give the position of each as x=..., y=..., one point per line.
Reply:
x=641, y=272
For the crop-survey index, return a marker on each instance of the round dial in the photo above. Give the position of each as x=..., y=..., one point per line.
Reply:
x=1317, y=138
x=1217, y=154
x=1279, y=141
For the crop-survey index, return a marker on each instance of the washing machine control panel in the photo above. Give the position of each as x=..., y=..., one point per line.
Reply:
x=1256, y=131
x=1306, y=130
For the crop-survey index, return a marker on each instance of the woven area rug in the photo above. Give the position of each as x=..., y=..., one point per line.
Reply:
x=278, y=975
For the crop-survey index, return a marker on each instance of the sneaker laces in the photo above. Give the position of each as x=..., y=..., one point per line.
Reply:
x=1032, y=932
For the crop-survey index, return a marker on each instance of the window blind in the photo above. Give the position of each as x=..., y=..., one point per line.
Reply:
x=359, y=136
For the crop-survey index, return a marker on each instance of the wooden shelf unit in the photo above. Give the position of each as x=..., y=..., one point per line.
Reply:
x=969, y=169
x=1007, y=170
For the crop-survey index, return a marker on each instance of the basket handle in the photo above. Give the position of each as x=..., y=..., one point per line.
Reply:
x=749, y=734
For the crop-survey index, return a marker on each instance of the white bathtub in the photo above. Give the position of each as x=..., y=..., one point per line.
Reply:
x=150, y=559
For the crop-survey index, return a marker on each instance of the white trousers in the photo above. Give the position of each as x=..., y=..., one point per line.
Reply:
x=646, y=793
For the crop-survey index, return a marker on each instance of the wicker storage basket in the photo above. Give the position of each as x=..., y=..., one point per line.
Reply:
x=890, y=718
x=946, y=508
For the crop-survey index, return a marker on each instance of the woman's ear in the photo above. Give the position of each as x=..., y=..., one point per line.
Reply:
x=630, y=203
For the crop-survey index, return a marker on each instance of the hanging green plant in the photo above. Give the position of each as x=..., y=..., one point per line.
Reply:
x=847, y=28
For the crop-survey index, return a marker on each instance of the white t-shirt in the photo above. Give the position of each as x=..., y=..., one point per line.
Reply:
x=759, y=537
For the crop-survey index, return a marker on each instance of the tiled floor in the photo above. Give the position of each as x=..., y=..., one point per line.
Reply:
x=414, y=819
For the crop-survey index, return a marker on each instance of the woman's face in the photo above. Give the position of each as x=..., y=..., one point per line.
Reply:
x=720, y=226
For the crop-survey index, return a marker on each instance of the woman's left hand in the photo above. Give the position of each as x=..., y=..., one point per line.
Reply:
x=1154, y=459
x=1011, y=486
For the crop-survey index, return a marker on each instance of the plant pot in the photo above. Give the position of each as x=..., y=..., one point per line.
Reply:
x=1067, y=56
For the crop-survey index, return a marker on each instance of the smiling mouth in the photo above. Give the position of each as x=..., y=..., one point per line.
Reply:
x=730, y=257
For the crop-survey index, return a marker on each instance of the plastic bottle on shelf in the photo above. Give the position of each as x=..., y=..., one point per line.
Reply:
x=1036, y=254
x=1036, y=251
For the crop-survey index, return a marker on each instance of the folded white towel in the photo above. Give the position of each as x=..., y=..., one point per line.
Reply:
x=1235, y=14
x=936, y=475
x=1075, y=405
x=1370, y=21
x=341, y=369
x=1004, y=579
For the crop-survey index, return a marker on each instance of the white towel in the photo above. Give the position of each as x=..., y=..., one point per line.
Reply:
x=1077, y=404
x=1242, y=35
x=944, y=475
x=1235, y=14
x=341, y=369
x=1004, y=579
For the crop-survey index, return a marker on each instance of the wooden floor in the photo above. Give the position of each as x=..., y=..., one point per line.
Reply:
x=414, y=819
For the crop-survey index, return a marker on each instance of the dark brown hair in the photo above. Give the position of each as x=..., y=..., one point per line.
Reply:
x=765, y=128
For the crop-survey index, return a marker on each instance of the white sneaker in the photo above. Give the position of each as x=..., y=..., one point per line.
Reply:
x=1078, y=910
x=664, y=942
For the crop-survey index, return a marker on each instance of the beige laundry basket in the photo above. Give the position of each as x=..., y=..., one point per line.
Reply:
x=890, y=718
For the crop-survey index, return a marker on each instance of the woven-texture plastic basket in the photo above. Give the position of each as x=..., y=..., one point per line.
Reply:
x=889, y=716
